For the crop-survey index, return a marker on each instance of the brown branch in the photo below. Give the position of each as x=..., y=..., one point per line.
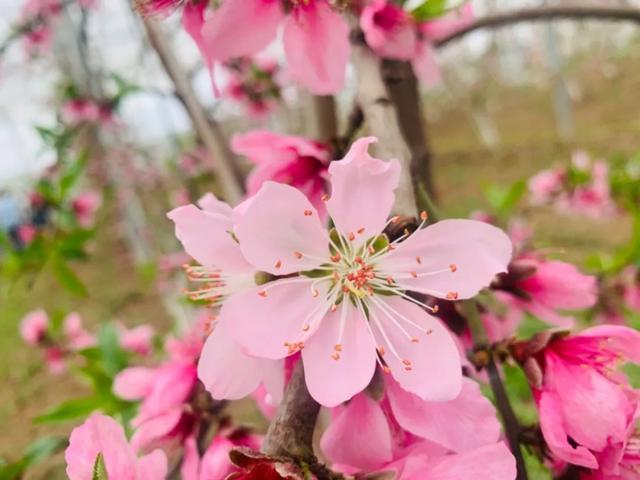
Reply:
x=537, y=14
x=402, y=86
x=511, y=424
x=291, y=433
x=325, y=117
x=207, y=131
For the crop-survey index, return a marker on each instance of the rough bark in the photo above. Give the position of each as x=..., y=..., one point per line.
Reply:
x=536, y=14
x=381, y=119
x=402, y=86
x=209, y=134
x=291, y=433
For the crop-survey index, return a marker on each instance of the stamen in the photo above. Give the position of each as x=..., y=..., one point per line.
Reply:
x=278, y=264
x=419, y=260
x=308, y=213
x=424, y=216
x=452, y=295
x=262, y=293
x=325, y=197
x=453, y=267
x=298, y=255
x=351, y=236
x=360, y=231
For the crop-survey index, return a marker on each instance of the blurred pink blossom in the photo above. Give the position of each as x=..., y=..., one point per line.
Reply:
x=138, y=339
x=34, y=327
x=85, y=206
x=77, y=337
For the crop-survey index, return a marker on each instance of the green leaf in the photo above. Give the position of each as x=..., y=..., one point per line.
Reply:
x=504, y=199
x=113, y=356
x=43, y=448
x=430, y=9
x=71, y=410
x=99, y=469
x=67, y=277
x=73, y=172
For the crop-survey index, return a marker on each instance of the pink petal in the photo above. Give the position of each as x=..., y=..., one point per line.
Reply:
x=216, y=464
x=362, y=191
x=225, y=371
x=134, y=383
x=237, y=29
x=461, y=425
x=263, y=324
x=190, y=467
x=490, y=462
x=152, y=429
x=100, y=434
x=34, y=327
x=388, y=30
x=321, y=70
x=547, y=314
x=273, y=379
x=434, y=370
x=358, y=436
x=624, y=341
x=467, y=253
x=280, y=232
x=425, y=65
x=448, y=24
x=265, y=147
x=153, y=466
x=352, y=372
x=594, y=409
x=555, y=435
x=211, y=204
x=205, y=236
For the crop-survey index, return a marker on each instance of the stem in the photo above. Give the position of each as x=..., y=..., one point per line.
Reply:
x=208, y=132
x=381, y=118
x=291, y=433
x=536, y=14
x=402, y=86
x=511, y=424
x=325, y=118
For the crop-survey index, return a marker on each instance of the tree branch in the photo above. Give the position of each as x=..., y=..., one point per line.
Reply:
x=291, y=433
x=325, y=117
x=537, y=14
x=209, y=133
x=380, y=116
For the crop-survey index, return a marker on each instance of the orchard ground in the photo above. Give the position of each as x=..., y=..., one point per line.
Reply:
x=606, y=123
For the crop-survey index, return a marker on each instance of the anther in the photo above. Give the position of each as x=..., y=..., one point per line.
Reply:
x=333, y=308
x=336, y=257
x=308, y=213
x=278, y=264
x=262, y=293
x=406, y=362
x=335, y=356
x=414, y=274
x=419, y=260
x=406, y=231
x=415, y=339
x=351, y=236
x=315, y=293
x=390, y=280
x=298, y=255
x=435, y=308
x=306, y=328
x=381, y=350
x=338, y=347
x=360, y=231
x=452, y=296
x=324, y=197
x=371, y=250
x=424, y=215
x=429, y=332
x=395, y=218
x=386, y=369
x=453, y=267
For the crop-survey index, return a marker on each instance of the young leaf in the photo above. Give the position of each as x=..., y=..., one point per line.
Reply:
x=99, y=469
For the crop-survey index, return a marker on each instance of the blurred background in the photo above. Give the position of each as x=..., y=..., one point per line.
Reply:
x=511, y=102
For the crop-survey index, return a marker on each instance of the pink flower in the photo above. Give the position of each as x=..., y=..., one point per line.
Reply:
x=77, y=336
x=584, y=403
x=85, y=206
x=102, y=435
x=550, y=286
x=27, y=234
x=138, y=339
x=322, y=308
x=545, y=185
x=54, y=359
x=392, y=33
x=239, y=29
x=293, y=160
x=215, y=463
x=389, y=30
x=34, y=326
x=446, y=441
x=632, y=288
x=620, y=460
x=79, y=110
x=164, y=392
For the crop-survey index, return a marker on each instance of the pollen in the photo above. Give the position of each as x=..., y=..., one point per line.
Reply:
x=453, y=267
x=278, y=264
x=308, y=213
x=452, y=296
x=298, y=255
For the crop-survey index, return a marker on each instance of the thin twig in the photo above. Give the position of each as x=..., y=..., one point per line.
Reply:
x=537, y=14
